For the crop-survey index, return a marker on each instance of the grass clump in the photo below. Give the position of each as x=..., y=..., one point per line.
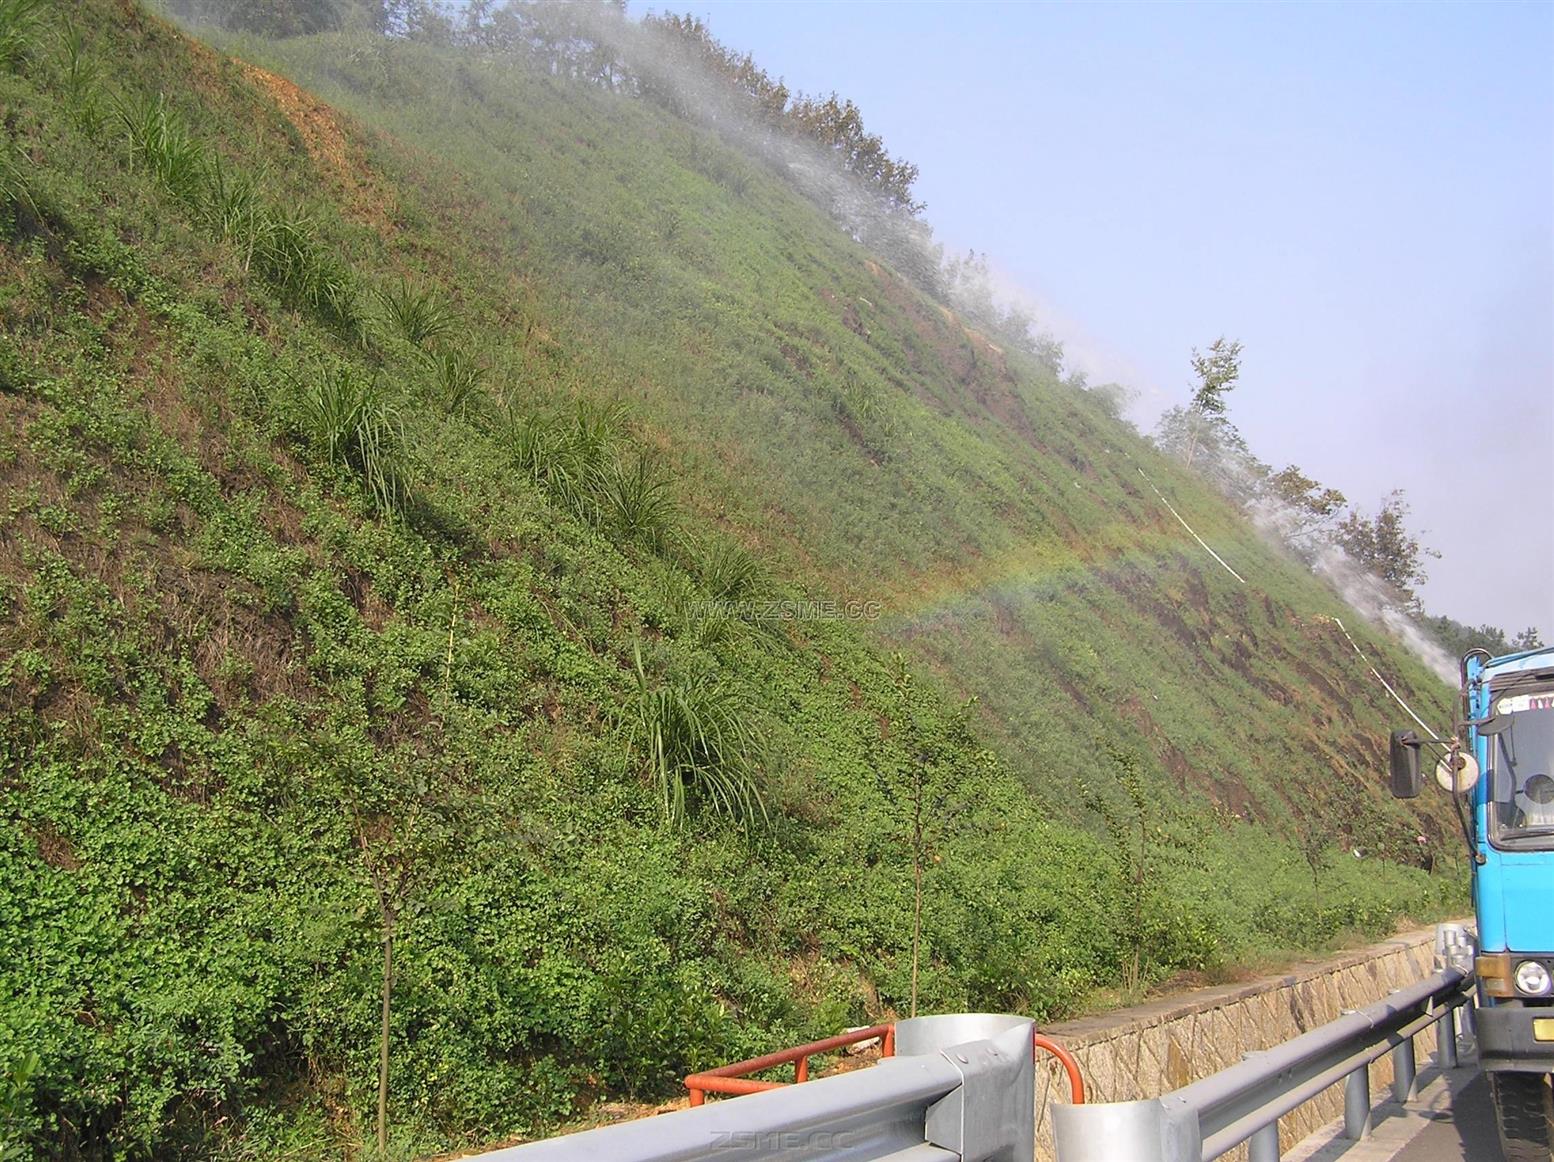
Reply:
x=160, y=144
x=19, y=20
x=233, y=210
x=697, y=746
x=580, y=459
x=83, y=95
x=573, y=455
x=416, y=315
x=635, y=501
x=347, y=420
x=303, y=271
x=728, y=571
x=279, y=243
x=15, y=181
x=459, y=380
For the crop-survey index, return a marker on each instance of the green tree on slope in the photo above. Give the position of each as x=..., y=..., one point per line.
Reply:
x=1384, y=545
x=1202, y=424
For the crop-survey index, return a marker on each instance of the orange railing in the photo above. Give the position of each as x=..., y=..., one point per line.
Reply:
x=734, y=1080
x=1076, y=1083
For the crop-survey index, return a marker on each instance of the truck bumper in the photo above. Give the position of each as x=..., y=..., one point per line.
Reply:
x=1507, y=1040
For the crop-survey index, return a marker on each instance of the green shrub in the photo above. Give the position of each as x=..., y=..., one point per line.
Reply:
x=18, y=1124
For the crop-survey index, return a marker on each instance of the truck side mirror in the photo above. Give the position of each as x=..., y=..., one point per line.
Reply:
x=1404, y=760
x=1494, y=724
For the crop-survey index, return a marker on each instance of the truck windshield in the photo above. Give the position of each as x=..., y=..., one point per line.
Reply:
x=1521, y=773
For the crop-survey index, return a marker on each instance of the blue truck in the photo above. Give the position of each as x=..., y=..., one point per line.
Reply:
x=1498, y=765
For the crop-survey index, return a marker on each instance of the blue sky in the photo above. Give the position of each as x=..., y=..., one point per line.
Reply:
x=1363, y=194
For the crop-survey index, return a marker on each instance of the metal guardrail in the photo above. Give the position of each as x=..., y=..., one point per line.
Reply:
x=960, y=1087
x=1244, y=1103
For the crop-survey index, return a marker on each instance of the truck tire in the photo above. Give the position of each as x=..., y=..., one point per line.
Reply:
x=1524, y=1113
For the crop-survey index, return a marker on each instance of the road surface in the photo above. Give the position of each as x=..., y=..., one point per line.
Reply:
x=1451, y=1120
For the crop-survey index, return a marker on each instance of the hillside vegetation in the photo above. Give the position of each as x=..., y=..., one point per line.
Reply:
x=499, y=524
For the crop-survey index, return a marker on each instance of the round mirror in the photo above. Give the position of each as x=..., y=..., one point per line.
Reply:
x=1457, y=772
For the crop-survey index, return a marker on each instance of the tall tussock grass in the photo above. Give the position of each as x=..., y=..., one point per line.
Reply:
x=19, y=21
x=160, y=145
x=233, y=210
x=635, y=500
x=347, y=420
x=727, y=570
x=82, y=93
x=697, y=746
x=303, y=271
x=459, y=380
x=565, y=453
x=280, y=244
x=580, y=459
x=415, y=314
x=15, y=183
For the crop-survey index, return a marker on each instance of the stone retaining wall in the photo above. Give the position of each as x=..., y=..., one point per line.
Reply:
x=1153, y=1049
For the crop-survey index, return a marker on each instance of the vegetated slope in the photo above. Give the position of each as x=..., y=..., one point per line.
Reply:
x=337, y=601
x=837, y=420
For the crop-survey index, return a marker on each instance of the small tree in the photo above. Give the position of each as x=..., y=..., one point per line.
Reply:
x=1528, y=639
x=1129, y=832
x=1159, y=931
x=1385, y=546
x=403, y=823
x=1307, y=509
x=916, y=778
x=1217, y=373
x=394, y=868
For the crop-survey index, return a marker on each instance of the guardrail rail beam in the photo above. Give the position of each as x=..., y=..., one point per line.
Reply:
x=1244, y=1103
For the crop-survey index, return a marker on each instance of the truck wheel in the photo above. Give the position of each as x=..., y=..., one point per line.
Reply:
x=1524, y=1112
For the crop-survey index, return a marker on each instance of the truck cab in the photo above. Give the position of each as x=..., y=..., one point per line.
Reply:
x=1499, y=763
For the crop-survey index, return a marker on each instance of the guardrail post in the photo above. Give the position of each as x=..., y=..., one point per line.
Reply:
x=1403, y=1071
x=1446, y=1040
x=1152, y=1130
x=1263, y=1146
x=993, y=1112
x=1469, y=1019
x=1357, y=1104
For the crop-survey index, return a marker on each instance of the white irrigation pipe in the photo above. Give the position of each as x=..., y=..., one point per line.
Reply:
x=1426, y=727
x=1396, y=697
x=1189, y=527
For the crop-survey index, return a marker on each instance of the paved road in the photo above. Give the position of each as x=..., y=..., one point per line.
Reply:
x=1465, y=1130
x=1450, y=1121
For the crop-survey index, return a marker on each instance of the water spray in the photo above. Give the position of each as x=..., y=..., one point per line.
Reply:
x=1387, y=686
x=1396, y=697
